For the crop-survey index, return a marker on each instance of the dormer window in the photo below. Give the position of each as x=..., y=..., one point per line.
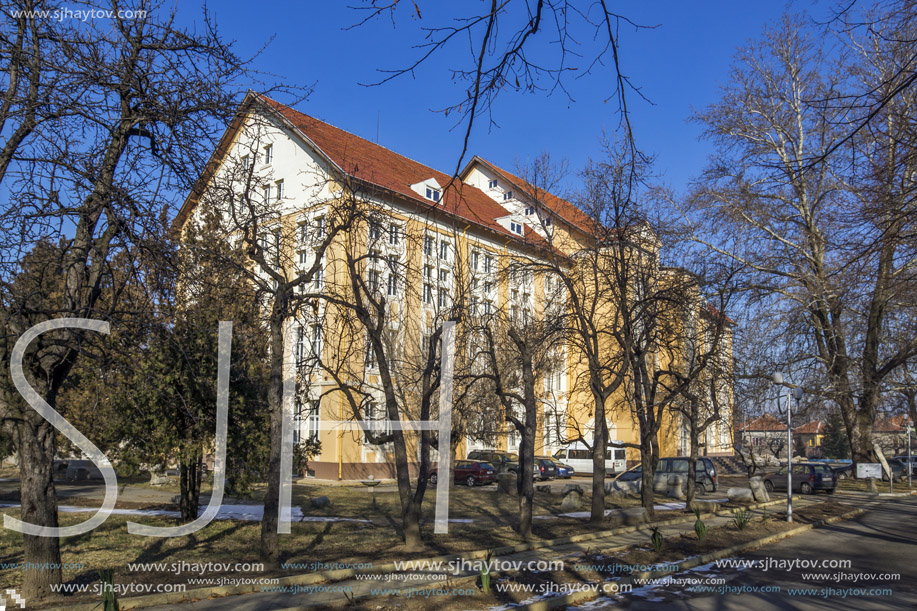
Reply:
x=492, y=184
x=433, y=194
x=507, y=195
x=516, y=227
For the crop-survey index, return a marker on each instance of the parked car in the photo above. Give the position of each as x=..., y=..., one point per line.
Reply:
x=898, y=467
x=912, y=460
x=503, y=462
x=564, y=471
x=579, y=456
x=546, y=467
x=468, y=472
x=808, y=478
x=704, y=472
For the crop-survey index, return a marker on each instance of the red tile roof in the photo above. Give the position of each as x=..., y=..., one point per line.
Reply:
x=765, y=423
x=895, y=424
x=557, y=205
x=379, y=166
x=814, y=427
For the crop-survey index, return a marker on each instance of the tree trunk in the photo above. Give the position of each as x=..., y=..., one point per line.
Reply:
x=600, y=442
x=690, y=485
x=35, y=438
x=649, y=455
x=270, y=547
x=525, y=480
x=190, y=468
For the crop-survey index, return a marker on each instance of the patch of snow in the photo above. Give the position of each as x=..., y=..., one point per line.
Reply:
x=249, y=513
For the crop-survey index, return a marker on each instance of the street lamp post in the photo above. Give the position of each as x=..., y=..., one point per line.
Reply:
x=778, y=380
x=910, y=464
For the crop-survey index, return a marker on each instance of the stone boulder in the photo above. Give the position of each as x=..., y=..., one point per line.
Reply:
x=159, y=478
x=543, y=489
x=320, y=502
x=573, y=500
x=633, y=516
x=705, y=506
x=677, y=487
x=572, y=488
x=758, y=491
x=629, y=487
x=741, y=495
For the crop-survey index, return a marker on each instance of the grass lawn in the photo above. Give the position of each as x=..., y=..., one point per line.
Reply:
x=110, y=545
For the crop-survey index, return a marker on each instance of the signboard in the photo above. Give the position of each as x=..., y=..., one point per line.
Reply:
x=869, y=469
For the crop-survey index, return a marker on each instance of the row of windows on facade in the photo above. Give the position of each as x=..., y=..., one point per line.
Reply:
x=308, y=413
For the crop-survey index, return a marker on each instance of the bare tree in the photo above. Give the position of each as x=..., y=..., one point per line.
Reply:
x=825, y=242
x=89, y=160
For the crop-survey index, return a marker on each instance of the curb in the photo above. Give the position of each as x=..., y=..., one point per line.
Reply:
x=196, y=594
x=577, y=598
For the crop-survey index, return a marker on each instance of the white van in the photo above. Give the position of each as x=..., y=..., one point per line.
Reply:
x=579, y=456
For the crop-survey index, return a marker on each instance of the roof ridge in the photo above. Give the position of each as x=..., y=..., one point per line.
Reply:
x=355, y=135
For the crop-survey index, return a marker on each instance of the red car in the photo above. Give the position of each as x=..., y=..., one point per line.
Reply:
x=470, y=473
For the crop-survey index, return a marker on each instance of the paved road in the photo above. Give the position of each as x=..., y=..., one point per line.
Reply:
x=881, y=541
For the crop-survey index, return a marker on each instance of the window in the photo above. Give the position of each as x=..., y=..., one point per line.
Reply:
x=320, y=227
x=266, y=190
x=303, y=258
x=507, y=195
x=370, y=354
x=475, y=255
x=488, y=286
x=473, y=305
x=428, y=272
x=492, y=184
x=374, y=230
x=444, y=250
x=428, y=246
x=392, y=285
x=312, y=420
x=546, y=221
x=319, y=277
x=550, y=428
x=443, y=276
x=377, y=419
x=529, y=210
x=316, y=347
x=268, y=154
x=433, y=194
x=393, y=235
x=488, y=264
x=488, y=307
x=373, y=281
x=304, y=232
x=300, y=345
x=297, y=420
x=515, y=228
x=279, y=189
x=246, y=162
x=427, y=293
x=443, y=295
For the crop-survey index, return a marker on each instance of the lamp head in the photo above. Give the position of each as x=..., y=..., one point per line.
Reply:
x=797, y=393
x=777, y=378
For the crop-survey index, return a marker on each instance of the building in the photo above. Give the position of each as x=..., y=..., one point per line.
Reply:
x=809, y=436
x=764, y=436
x=428, y=242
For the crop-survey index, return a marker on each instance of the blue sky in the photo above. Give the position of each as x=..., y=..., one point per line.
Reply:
x=679, y=65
